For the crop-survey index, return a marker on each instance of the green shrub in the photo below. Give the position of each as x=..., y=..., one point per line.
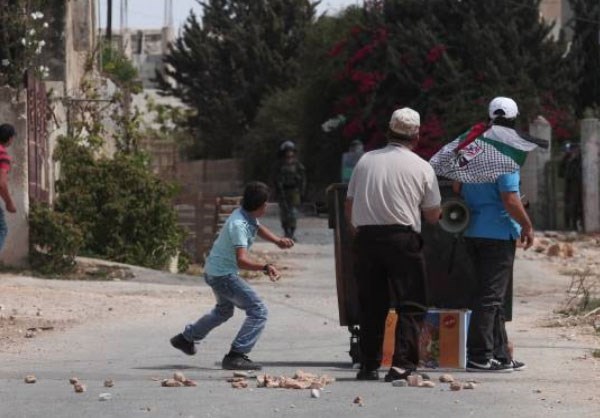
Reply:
x=55, y=240
x=124, y=210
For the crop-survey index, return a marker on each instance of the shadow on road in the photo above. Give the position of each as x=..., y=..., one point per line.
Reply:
x=320, y=364
x=173, y=367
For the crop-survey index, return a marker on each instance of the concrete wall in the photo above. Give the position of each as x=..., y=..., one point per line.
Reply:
x=80, y=40
x=558, y=11
x=533, y=175
x=13, y=110
x=590, y=162
x=146, y=49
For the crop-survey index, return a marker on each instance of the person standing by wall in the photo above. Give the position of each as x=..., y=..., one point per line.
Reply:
x=570, y=170
x=290, y=184
x=7, y=136
x=498, y=219
x=350, y=158
x=389, y=190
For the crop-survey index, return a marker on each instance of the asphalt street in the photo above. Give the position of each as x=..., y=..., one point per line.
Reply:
x=302, y=334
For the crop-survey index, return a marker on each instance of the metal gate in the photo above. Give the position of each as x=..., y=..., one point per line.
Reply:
x=37, y=140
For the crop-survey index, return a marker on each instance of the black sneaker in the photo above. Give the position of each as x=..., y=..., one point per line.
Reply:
x=364, y=374
x=397, y=373
x=516, y=365
x=239, y=362
x=491, y=365
x=180, y=343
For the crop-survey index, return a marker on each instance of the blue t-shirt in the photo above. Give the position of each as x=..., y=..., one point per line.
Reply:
x=489, y=219
x=239, y=230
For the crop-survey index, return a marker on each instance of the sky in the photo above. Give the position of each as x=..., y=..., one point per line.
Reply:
x=150, y=13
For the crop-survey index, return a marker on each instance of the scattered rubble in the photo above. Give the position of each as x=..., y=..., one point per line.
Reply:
x=30, y=379
x=171, y=383
x=108, y=383
x=358, y=401
x=301, y=380
x=446, y=378
x=414, y=380
x=400, y=383
x=79, y=387
x=553, y=250
x=427, y=384
x=178, y=376
x=240, y=384
x=455, y=386
x=73, y=380
x=104, y=397
x=178, y=380
x=190, y=383
x=241, y=374
x=469, y=385
x=315, y=393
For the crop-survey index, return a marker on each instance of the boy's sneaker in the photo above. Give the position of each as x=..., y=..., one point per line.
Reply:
x=491, y=365
x=397, y=373
x=365, y=374
x=180, y=343
x=517, y=365
x=239, y=362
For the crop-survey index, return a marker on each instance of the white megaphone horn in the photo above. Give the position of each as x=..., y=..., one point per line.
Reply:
x=455, y=216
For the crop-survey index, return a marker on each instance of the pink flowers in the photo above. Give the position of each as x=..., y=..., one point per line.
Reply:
x=366, y=81
x=337, y=48
x=428, y=84
x=353, y=129
x=436, y=53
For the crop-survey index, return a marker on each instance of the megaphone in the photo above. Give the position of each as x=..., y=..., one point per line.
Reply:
x=455, y=216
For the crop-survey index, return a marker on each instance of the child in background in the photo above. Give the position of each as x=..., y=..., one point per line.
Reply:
x=7, y=136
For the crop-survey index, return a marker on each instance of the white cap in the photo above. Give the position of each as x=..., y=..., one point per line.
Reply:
x=503, y=106
x=405, y=121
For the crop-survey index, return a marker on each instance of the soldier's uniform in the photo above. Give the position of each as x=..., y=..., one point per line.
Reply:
x=290, y=183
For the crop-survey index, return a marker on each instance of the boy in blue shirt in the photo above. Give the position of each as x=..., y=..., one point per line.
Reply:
x=229, y=253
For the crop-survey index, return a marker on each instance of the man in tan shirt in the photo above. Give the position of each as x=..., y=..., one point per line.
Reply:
x=389, y=190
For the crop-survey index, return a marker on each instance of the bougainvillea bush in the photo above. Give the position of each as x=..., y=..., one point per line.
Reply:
x=446, y=59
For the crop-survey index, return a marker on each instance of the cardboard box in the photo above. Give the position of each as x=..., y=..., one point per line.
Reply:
x=442, y=342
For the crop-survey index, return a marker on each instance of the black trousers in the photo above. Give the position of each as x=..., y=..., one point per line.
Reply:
x=390, y=271
x=493, y=260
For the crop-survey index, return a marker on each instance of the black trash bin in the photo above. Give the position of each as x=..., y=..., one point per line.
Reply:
x=450, y=274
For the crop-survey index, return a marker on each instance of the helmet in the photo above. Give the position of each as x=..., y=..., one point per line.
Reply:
x=287, y=145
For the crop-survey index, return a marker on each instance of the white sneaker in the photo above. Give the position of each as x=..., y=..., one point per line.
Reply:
x=491, y=365
x=516, y=365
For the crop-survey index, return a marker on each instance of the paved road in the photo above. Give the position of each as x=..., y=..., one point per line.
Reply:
x=302, y=333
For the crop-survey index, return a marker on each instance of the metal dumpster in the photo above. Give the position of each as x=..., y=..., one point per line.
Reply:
x=450, y=274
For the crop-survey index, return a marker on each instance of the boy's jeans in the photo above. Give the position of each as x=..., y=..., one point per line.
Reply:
x=231, y=291
x=3, y=228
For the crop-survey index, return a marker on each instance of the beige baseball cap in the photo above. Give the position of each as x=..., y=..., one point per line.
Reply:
x=503, y=106
x=405, y=121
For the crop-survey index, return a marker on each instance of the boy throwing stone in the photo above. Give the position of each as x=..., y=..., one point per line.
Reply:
x=227, y=256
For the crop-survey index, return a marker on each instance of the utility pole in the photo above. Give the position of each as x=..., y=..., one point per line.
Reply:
x=168, y=16
x=109, y=21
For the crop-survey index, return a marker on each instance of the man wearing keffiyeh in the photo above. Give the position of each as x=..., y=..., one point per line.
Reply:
x=485, y=164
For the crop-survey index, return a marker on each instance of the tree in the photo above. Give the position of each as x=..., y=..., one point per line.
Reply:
x=225, y=66
x=297, y=113
x=585, y=53
x=447, y=59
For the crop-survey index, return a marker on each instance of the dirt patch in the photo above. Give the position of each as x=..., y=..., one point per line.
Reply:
x=32, y=308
